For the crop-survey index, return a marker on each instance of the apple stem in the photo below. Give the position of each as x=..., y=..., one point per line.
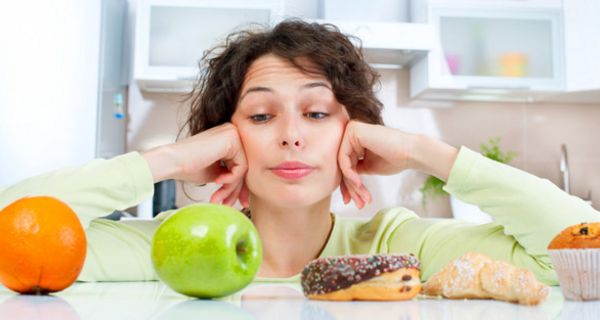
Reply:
x=240, y=248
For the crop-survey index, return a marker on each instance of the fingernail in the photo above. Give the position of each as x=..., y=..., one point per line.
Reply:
x=358, y=203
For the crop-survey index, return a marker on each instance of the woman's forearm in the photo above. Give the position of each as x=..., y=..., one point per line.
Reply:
x=433, y=156
x=92, y=190
x=531, y=209
x=162, y=163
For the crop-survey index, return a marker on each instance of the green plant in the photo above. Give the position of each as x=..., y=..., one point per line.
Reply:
x=433, y=186
x=492, y=151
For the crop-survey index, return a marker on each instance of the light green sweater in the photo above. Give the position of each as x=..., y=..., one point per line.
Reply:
x=528, y=212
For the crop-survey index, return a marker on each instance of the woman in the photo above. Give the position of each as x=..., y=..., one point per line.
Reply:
x=282, y=118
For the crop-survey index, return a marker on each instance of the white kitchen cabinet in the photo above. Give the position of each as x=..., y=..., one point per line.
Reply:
x=172, y=35
x=490, y=51
x=582, y=45
x=389, y=45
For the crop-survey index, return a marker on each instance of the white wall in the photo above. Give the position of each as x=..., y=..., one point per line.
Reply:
x=48, y=85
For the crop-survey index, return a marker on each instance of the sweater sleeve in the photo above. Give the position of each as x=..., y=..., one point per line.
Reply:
x=116, y=250
x=528, y=212
x=93, y=190
x=531, y=209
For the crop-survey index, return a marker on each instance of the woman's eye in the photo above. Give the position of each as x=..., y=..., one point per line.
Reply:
x=316, y=115
x=260, y=117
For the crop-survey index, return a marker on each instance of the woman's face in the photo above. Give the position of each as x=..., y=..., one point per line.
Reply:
x=291, y=127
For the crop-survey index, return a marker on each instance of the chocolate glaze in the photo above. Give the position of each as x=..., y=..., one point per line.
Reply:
x=330, y=274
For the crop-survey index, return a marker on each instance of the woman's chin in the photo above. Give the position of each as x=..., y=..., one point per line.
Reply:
x=290, y=195
x=296, y=199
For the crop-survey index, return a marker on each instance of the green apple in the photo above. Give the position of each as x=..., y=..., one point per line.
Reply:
x=206, y=251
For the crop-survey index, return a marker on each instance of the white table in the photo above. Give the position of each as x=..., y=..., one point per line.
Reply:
x=154, y=300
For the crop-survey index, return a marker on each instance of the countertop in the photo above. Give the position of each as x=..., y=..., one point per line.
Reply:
x=154, y=300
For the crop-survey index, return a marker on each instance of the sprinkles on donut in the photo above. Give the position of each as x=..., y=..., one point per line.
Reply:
x=362, y=277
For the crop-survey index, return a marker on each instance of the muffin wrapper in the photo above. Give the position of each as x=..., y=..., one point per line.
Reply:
x=578, y=272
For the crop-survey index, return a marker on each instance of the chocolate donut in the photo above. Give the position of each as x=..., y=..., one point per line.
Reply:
x=362, y=277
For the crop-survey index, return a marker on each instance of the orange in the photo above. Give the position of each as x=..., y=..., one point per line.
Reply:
x=42, y=245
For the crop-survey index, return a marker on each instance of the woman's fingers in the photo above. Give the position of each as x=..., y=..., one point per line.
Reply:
x=355, y=198
x=350, y=154
x=233, y=187
x=228, y=194
x=233, y=196
x=244, y=196
x=217, y=196
x=225, y=177
x=222, y=193
x=345, y=194
x=347, y=163
x=233, y=175
x=352, y=186
x=232, y=179
x=365, y=194
x=354, y=194
x=361, y=195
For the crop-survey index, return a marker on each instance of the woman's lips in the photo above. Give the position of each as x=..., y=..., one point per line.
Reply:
x=292, y=170
x=292, y=174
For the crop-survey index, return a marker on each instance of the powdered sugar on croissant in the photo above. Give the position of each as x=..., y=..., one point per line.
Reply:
x=476, y=276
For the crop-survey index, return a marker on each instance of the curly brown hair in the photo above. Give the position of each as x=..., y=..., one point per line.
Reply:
x=217, y=89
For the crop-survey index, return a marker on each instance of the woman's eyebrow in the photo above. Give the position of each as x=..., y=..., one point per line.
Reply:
x=309, y=85
x=315, y=84
x=255, y=89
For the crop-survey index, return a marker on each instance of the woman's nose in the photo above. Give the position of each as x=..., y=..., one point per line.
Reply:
x=288, y=142
x=291, y=135
x=292, y=138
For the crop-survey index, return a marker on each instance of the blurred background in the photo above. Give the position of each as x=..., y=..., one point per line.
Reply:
x=516, y=80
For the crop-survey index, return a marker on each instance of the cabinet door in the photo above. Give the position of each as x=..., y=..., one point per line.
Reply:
x=172, y=36
x=582, y=45
x=490, y=52
x=500, y=48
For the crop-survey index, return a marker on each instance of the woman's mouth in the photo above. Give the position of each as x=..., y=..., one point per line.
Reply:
x=292, y=170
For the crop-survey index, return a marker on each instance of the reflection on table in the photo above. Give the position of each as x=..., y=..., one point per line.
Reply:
x=153, y=300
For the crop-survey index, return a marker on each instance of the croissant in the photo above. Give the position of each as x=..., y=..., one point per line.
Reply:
x=476, y=276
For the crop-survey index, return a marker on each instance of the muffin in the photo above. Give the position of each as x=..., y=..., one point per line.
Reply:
x=575, y=253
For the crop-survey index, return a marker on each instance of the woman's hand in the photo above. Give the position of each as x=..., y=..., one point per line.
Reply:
x=370, y=149
x=215, y=155
x=376, y=149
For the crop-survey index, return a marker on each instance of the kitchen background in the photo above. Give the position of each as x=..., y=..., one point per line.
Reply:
x=62, y=62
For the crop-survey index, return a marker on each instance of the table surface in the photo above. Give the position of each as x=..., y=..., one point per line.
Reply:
x=154, y=300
